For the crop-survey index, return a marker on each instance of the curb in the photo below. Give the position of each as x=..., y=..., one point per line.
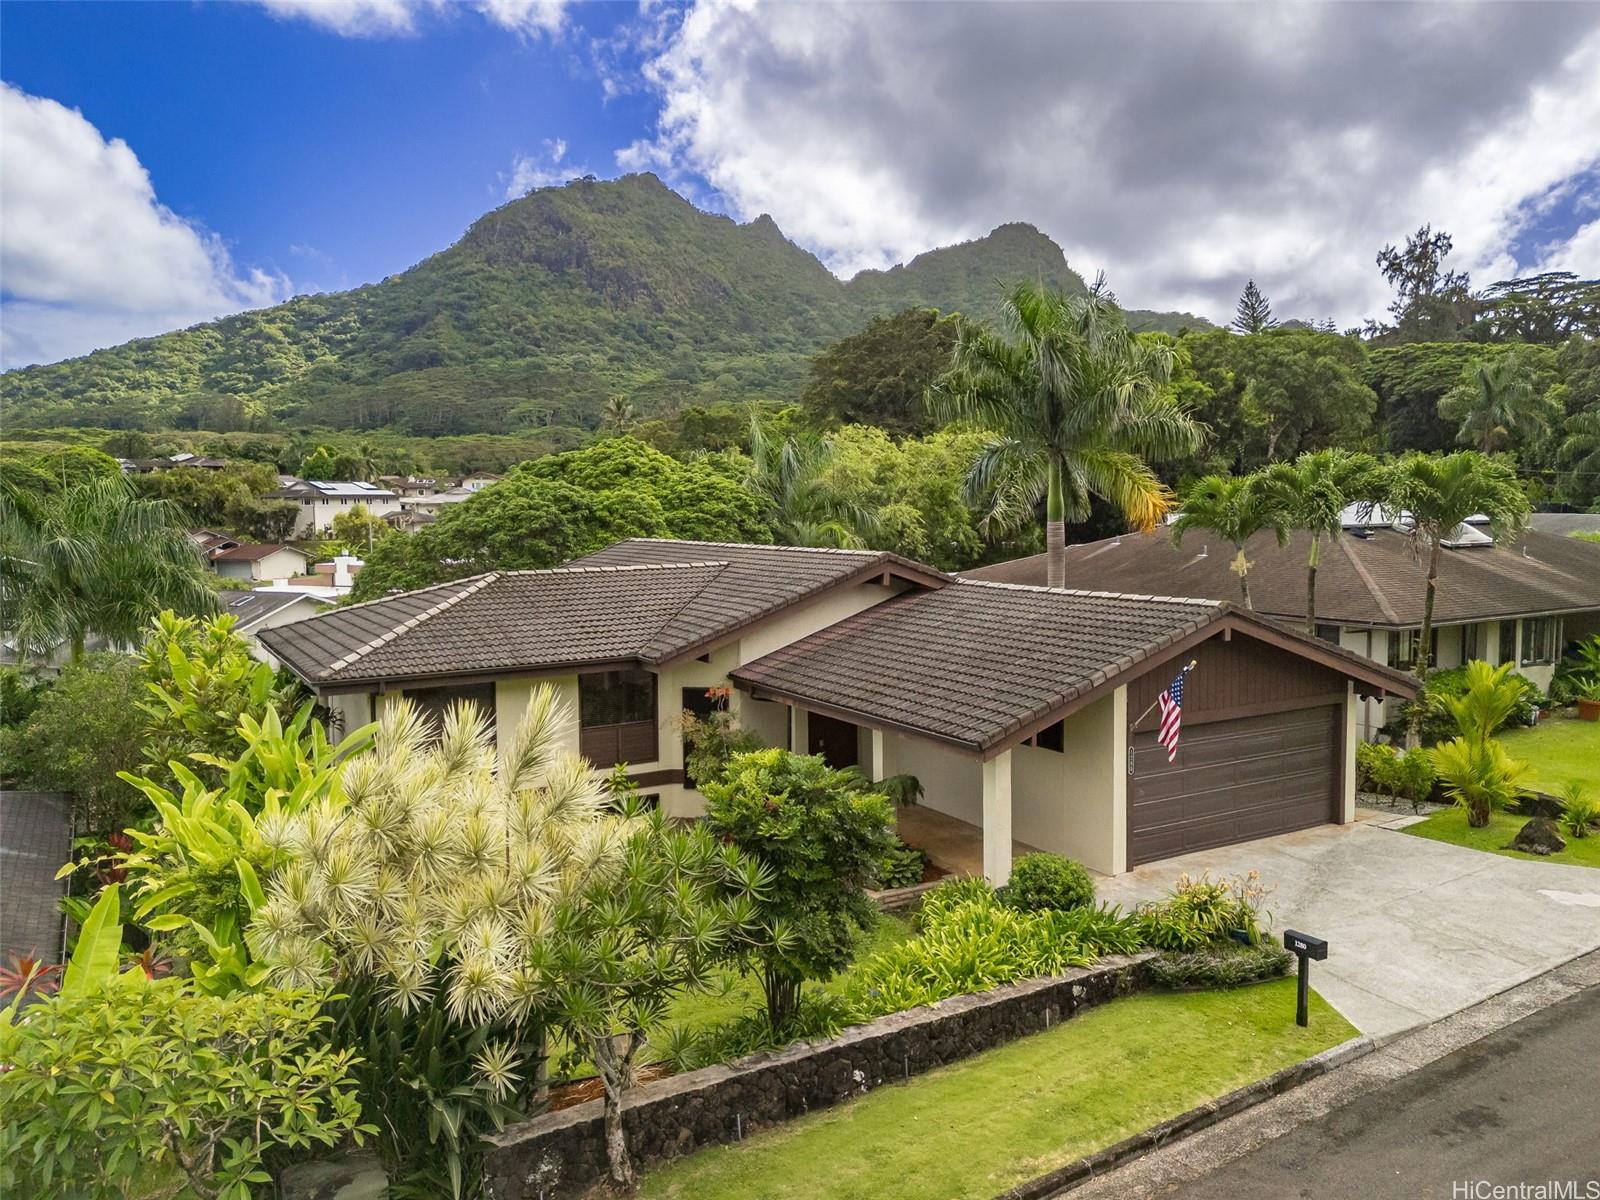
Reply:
x=1186, y=1123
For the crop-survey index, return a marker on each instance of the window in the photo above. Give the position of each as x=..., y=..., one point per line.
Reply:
x=433, y=704
x=1052, y=737
x=1508, y=642
x=1328, y=633
x=1403, y=648
x=1539, y=640
x=617, y=717
x=1471, y=643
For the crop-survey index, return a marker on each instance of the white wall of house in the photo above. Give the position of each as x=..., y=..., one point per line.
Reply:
x=805, y=619
x=317, y=513
x=283, y=563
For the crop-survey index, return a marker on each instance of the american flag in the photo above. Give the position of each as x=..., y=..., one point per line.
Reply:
x=1171, y=703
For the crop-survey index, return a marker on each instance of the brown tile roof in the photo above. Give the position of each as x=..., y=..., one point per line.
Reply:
x=250, y=553
x=975, y=663
x=643, y=601
x=1377, y=580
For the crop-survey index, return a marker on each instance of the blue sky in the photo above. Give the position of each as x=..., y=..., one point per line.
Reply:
x=164, y=163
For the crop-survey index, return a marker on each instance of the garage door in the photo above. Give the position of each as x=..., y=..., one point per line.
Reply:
x=1233, y=781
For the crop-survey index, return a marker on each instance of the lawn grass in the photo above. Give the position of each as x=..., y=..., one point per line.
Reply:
x=1559, y=749
x=1450, y=825
x=984, y=1125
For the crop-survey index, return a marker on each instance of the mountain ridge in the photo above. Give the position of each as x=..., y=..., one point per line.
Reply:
x=543, y=308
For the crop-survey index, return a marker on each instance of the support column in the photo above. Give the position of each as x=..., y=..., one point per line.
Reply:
x=876, y=764
x=1119, y=779
x=1352, y=736
x=997, y=819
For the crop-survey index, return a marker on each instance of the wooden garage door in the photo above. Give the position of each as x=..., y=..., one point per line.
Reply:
x=1233, y=781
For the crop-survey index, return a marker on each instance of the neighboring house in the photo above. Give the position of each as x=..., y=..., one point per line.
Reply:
x=1521, y=602
x=211, y=541
x=143, y=466
x=434, y=501
x=267, y=561
x=1024, y=711
x=477, y=481
x=256, y=611
x=321, y=500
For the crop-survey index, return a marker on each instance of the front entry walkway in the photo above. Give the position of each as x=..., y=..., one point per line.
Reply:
x=952, y=844
x=1416, y=929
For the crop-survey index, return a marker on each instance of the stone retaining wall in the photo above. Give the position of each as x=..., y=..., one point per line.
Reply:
x=563, y=1153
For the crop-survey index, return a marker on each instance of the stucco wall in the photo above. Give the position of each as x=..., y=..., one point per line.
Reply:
x=952, y=782
x=1094, y=767
x=806, y=619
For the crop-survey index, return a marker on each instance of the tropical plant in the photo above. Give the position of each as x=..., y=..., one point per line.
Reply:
x=968, y=941
x=1076, y=403
x=1479, y=776
x=710, y=741
x=1386, y=771
x=1311, y=494
x=1435, y=720
x=202, y=679
x=1218, y=966
x=1495, y=403
x=1437, y=494
x=1580, y=811
x=619, y=415
x=1202, y=911
x=92, y=559
x=1577, y=675
x=1235, y=509
x=822, y=836
x=788, y=476
x=900, y=866
x=821, y=1015
x=1041, y=881
x=1489, y=697
x=901, y=790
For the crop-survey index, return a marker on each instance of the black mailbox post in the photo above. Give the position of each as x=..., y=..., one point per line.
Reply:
x=1304, y=947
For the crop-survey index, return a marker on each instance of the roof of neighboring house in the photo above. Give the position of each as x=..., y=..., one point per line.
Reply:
x=640, y=601
x=1372, y=576
x=976, y=663
x=301, y=489
x=254, y=552
x=251, y=608
x=210, y=539
x=1565, y=523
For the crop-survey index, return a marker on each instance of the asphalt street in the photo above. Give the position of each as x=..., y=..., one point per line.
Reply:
x=1520, y=1106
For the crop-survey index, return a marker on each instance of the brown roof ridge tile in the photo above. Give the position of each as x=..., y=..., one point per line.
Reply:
x=432, y=587
x=477, y=584
x=1098, y=595
x=842, y=550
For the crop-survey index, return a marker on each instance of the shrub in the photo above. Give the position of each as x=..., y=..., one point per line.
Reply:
x=1203, y=912
x=1479, y=777
x=970, y=942
x=1041, y=881
x=1219, y=966
x=710, y=742
x=823, y=837
x=820, y=1015
x=1579, y=810
x=901, y=866
x=159, y=1090
x=1386, y=771
x=1577, y=675
x=1439, y=723
x=902, y=790
x=86, y=728
x=20, y=693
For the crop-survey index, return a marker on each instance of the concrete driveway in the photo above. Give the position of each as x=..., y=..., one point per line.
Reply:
x=1416, y=929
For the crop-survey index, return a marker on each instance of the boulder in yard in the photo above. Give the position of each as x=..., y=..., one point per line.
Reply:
x=1539, y=836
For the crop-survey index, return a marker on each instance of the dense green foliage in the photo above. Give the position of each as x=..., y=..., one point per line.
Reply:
x=1220, y=966
x=85, y=728
x=155, y=1090
x=1200, y=913
x=554, y=509
x=822, y=834
x=1041, y=881
x=880, y=375
x=233, y=498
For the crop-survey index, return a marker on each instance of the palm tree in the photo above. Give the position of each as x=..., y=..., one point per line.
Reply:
x=94, y=558
x=1493, y=403
x=1235, y=509
x=789, y=476
x=1437, y=494
x=1076, y=403
x=1580, y=456
x=1312, y=493
x=619, y=415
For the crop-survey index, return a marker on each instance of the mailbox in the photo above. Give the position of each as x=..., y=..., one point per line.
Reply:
x=1303, y=945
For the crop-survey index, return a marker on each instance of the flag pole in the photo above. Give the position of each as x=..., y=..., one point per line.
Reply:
x=1134, y=724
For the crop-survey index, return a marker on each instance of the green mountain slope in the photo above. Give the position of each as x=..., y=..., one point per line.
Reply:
x=543, y=309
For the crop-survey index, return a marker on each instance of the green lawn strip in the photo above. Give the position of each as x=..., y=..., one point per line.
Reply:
x=981, y=1126
x=1559, y=750
x=1450, y=825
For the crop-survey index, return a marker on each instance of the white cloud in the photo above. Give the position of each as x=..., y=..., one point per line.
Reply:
x=545, y=169
x=88, y=255
x=1288, y=143
x=396, y=18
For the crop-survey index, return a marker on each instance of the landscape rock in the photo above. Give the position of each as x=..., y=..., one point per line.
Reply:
x=1539, y=836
